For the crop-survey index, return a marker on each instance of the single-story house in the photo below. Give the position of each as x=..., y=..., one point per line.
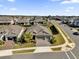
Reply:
x=11, y=36
x=24, y=21
x=37, y=20
x=74, y=22
x=40, y=32
x=10, y=32
x=6, y=20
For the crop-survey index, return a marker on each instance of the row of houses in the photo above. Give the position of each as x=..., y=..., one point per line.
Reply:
x=73, y=22
x=21, y=20
x=12, y=32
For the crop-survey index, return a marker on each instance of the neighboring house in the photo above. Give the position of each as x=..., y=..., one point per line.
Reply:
x=24, y=21
x=10, y=32
x=74, y=22
x=11, y=36
x=40, y=32
x=6, y=20
x=21, y=20
x=37, y=20
x=57, y=18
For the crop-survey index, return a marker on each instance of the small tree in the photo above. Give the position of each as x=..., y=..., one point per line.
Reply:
x=27, y=36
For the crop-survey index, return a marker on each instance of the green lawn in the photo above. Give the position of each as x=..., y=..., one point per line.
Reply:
x=25, y=45
x=23, y=51
x=58, y=39
x=66, y=35
x=56, y=49
x=17, y=46
x=1, y=47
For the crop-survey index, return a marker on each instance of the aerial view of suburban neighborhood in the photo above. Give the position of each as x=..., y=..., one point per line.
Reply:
x=29, y=32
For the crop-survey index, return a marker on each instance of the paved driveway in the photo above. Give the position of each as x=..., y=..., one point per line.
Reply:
x=41, y=42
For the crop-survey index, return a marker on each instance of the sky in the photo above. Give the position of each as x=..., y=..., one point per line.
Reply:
x=39, y=7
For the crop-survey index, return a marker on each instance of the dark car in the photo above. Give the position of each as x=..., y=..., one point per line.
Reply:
x=64, y=22
x=75, y=33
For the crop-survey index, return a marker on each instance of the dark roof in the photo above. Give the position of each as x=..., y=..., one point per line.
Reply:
x=39, y=30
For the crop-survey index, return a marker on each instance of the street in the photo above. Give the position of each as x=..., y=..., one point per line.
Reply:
x=75, y=38
x=38, y=56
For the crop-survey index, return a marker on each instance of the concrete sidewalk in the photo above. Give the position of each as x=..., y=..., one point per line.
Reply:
x=42, y=49
x=5, y=53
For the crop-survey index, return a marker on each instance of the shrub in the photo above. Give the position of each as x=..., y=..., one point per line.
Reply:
x=1, y=42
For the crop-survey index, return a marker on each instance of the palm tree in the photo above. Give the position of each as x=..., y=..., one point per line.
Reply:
x=27, y=37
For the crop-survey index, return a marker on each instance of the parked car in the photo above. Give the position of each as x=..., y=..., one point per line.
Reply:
x=64, y=22
x=75, y=33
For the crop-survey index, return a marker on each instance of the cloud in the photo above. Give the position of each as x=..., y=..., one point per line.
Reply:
x=11, y=0
x=13, y=9
x=69, y=1
x=69, y=9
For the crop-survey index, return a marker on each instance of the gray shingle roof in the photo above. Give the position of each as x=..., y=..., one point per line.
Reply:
x=10, y=29
x=39, y=30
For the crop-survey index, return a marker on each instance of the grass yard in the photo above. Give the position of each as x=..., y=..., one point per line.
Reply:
x=1, y=47
x=26, y=45
x=58, y=40
x=23, y=51
x=66, y=35
x=56, y=49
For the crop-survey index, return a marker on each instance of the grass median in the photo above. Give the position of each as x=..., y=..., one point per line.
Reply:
x=66, y=35
x=56, y=49
x=23, y=51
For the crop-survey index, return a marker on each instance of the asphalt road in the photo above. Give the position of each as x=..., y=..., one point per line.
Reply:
x=74, y=54
x=75, y=38
x=38, y=56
